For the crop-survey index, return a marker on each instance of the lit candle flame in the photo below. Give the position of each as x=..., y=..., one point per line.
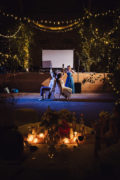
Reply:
x=75, y=133
x=66, y=140
x=35, y=140
x=30, y=138
x=41, y=135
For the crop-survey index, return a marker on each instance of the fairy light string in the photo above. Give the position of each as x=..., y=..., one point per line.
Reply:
x=70, y=25
x=13, y=35
x=62, y=25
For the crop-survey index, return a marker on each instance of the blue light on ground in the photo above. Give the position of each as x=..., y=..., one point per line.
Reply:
x=90, y=110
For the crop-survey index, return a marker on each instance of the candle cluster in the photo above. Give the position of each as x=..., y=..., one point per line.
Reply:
x=41, y=138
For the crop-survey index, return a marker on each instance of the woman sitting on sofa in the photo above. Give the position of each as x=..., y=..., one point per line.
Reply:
x=60, y=88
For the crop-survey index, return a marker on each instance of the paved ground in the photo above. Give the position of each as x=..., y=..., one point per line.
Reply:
x=89, y=97
x=88, y=104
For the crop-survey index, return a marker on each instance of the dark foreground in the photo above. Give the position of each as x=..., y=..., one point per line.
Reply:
x=70, y=162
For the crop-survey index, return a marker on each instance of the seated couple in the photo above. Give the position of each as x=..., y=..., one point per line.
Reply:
x=56, y=86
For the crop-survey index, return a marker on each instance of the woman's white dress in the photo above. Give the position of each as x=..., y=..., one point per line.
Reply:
x=61, y=89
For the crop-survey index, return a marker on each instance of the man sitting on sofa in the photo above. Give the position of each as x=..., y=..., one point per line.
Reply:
x=43, y=89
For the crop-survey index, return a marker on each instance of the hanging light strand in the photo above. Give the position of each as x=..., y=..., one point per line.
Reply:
x=13, y=35
x=59, y=23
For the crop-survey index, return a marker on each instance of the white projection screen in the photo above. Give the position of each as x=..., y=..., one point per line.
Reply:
x=56, y=58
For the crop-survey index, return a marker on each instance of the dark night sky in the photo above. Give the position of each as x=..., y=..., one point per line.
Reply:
x=55, y=7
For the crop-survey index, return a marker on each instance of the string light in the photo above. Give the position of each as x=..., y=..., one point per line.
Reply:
x=6, y=57
x=55, y=28
x=69, y=25
x=115, y=89
x=69, y=22
x=13, y=35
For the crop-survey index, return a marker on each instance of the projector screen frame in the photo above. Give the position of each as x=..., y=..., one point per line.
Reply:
x=63, y=62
